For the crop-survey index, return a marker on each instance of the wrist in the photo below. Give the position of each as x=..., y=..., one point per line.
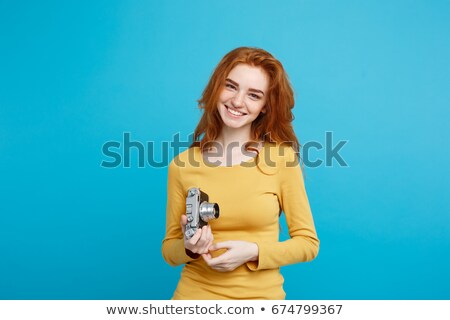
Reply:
x=191, y=254
x=254, y=252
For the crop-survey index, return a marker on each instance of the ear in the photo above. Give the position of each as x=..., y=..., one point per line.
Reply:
x=264, y=110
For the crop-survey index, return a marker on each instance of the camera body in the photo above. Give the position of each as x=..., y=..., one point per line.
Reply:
x=198, y=211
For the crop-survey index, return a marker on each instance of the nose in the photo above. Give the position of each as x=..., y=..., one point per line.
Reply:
x=238, y=100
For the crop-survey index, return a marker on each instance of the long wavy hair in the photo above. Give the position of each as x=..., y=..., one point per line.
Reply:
x=275, y=125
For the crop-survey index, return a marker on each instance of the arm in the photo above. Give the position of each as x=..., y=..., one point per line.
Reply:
x=304, y=244
x=173, y=249
x=238, y=252
x=176, y=249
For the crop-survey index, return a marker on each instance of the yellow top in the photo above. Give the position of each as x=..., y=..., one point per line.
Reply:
x=251, y=196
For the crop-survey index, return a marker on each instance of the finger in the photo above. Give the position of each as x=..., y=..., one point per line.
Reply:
x=210, y=243
x=206, y=256
x=220, y=269
x=204, y=238
x=224, y=267
x=205, y=248
x=193, y=241
x=204, y=241
x=210, y=234
x=217, y=261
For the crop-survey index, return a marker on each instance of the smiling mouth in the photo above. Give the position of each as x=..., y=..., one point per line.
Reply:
x=234, y=112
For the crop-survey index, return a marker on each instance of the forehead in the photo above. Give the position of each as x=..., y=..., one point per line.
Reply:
x=249, y=76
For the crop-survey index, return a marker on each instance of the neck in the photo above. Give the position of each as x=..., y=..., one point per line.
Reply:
x=232, y=143
x=232, y=136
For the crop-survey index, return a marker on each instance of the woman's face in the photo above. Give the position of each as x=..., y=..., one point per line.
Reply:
x=243, y=97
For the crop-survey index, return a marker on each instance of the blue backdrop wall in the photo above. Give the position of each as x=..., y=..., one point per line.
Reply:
x=75, y=75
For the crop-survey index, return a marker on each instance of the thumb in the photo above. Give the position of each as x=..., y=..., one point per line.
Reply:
x=183, y=222
x=207, y=256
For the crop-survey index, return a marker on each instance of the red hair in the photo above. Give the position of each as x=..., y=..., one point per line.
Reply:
x=273, y=126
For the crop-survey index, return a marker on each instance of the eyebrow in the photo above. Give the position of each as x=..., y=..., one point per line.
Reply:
x=237, y=85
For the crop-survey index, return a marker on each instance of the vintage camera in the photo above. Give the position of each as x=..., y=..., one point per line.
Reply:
x=198, y=211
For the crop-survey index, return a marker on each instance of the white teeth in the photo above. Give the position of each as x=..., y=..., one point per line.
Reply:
x=234, y=112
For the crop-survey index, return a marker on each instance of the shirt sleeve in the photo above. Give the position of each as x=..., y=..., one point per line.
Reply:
x=303, y=244
x=173, y=249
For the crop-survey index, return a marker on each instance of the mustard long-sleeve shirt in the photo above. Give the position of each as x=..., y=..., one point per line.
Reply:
x=251, y=196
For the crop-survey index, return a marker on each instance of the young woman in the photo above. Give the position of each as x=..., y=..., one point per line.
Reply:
x=245, y=157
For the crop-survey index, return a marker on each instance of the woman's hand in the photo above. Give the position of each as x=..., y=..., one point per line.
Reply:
x=238, y=253
x=200, y=241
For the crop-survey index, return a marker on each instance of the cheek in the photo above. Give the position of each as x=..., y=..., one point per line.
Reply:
x=263, y=105
x=258, y=106
x=225, y=95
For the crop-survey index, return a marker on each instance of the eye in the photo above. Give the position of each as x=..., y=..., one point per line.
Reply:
x=255, y=96
x=231, y=86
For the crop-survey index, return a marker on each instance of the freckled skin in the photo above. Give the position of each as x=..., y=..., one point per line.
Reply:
x=239, y=97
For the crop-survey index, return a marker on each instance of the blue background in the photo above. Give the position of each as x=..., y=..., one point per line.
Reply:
x=74, y=75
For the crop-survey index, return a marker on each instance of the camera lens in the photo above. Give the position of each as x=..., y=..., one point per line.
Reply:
x=208, y=211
